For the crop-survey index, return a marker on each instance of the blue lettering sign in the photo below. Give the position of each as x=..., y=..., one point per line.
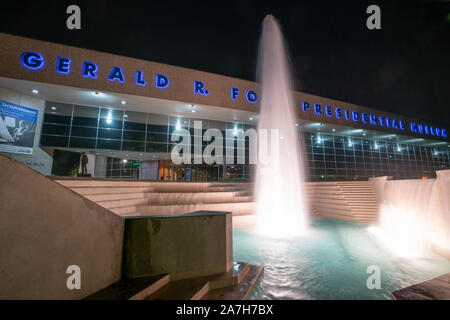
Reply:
x=364, y=117
x=432, y=131
x=394, y=124
x=338, y=113
x=251, y=96
x=305, y=106
x=420, y=128
x=438, y=132
x=400, y=123
x=32, y=60
x=234, y=93
x=328, y=111
x=355, y=116
x=413, y=127
x=347, y=114
x=444, y=133
x=63, y=65
x=140, y=78
x=161, y=81
x=89, y=70
x=199, y=88
x=116, y=74
x=373, y=119
x=381, y=120
x=317, y=109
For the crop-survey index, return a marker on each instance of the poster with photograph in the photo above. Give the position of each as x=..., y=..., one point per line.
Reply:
x=17, y=128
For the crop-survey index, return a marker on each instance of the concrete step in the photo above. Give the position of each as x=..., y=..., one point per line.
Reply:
x=334, y=211
x=368, y=201
x=110, y=190
x=338, y=216
x=358, y=196
x=123, y=203
x=101, y=183
x=113, y=196
x=325, y=192
x=320, y=198
x=367, y=216
x=223, y=189
x=199, y=288
x=180, y=290
x=237, y=208
x=239, y=292
x=124, y=211
x=194, y=197
x=352, y=188
x=131, y=289
x=317, y=201
x=363, y=208
x=337, y=206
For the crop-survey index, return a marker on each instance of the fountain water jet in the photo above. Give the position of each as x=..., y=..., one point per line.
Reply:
x=279, y=188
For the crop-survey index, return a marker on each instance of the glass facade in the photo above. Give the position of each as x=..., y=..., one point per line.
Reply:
x=329, y=157
x=333, y=157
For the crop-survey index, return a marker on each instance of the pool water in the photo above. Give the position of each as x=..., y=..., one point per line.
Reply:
x=330, y=263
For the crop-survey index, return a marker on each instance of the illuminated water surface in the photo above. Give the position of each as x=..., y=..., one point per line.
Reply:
x=330, y=263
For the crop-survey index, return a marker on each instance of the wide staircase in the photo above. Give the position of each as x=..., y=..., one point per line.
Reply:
x=133, y=198
x=345, y=200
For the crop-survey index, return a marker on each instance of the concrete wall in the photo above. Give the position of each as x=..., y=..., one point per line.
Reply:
x=44, y=228
x=39, y=160
x=183, y=246
x=378, y=184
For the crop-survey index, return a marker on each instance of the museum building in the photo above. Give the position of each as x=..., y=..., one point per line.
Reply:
x=59, y=102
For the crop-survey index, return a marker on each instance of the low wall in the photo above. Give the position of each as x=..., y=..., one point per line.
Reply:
x=184, y=246
x=44, y=228
x=378, y=184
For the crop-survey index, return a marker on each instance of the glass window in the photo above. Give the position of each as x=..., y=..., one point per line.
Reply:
x=55, y=129
x=134, y=121
x=58, y=113
x=157, y=123
x=54, y=141
x=133, y=146
x=156, y=137
x=111, y=118
x=85, y=116
x=84, y=132
x=134, y=135
x=86, y=143
x=108, y=144
x=110, y=134
x=156, y=147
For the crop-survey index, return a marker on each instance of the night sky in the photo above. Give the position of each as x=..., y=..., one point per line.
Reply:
x=402, y=68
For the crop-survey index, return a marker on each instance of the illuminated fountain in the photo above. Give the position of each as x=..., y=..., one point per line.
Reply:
x=415, y=216
x=279, y=187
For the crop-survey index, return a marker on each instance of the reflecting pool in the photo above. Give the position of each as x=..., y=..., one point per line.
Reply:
x=330, y=262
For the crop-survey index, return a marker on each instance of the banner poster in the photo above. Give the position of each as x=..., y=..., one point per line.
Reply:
x=17, y=128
